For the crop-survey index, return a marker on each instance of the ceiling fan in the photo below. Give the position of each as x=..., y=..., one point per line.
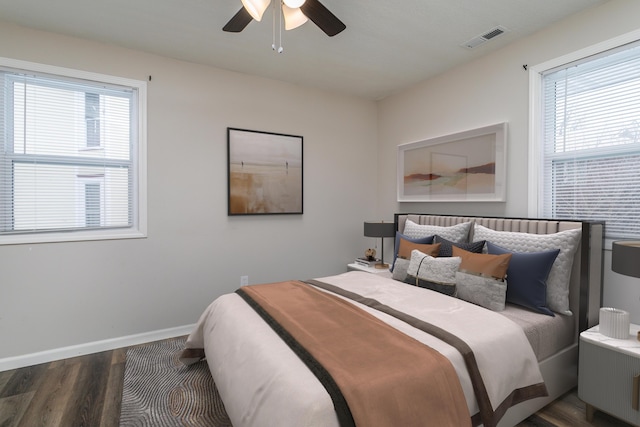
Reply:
x=295, y=12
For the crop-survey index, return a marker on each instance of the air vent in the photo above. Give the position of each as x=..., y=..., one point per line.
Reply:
x=477, y=41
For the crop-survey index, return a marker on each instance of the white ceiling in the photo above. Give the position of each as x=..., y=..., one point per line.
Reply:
x=388, y=44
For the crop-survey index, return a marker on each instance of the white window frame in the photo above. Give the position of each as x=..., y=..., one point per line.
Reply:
x=536, y=133
x=138, y=228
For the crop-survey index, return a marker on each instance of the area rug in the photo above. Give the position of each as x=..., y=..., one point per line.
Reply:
x=159, y=391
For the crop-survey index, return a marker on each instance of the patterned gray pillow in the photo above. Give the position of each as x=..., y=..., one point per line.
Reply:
x=456, y=233
x=438, y=274
x=558, y=281
x=484, y=291
x=446, y=246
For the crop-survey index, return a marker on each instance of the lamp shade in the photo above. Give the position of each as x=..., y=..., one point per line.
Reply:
x=379, y=229
x=293, y=18
x=293, y=4
x=256, y=8
x=625, y=257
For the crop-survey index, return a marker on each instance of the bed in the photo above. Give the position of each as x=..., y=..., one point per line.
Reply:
x=531, y=356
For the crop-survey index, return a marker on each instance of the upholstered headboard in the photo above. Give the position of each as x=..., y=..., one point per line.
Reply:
x=585, y=289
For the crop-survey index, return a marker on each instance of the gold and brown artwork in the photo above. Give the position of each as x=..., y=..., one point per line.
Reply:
x=265, y=173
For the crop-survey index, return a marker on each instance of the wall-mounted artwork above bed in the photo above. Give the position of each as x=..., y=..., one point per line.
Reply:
x=264, y=173
x=463, y=167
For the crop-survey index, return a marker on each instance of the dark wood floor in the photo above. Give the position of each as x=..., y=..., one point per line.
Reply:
x=87, y=391
x=569, y=411
x=82, y=391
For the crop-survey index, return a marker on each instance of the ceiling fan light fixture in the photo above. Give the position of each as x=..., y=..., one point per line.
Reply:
x=256, y=8
x=293, y=4
x=293, y=18
x=314, y=10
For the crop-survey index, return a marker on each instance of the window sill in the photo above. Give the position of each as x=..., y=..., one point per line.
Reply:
x=71, y=236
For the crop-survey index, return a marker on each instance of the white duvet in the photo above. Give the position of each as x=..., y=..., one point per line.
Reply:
x=263, y=383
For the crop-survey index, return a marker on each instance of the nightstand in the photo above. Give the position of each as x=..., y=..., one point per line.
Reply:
x=357, y=267
x=609, y=374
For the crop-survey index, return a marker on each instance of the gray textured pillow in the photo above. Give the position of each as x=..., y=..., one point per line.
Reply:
x=484, y=291
x=404, y=250
x=446, y=246
x=400, y=269
x=456, y=233
x=438, y=274
x=558, y=280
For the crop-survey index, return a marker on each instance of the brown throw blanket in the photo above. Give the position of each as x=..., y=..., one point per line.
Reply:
x=386, y=377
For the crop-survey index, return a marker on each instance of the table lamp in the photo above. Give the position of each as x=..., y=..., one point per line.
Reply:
x=625, y=257
x=380, y=229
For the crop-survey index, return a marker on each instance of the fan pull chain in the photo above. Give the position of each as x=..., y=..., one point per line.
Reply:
x=273, y=43
x=280, y=15
x=280, y=49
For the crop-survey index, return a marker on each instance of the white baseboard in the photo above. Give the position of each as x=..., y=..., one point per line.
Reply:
x=16, y=362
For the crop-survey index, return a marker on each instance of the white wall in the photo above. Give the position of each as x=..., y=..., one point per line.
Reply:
x=57, y=295
x=491, y=90
x=67, y=294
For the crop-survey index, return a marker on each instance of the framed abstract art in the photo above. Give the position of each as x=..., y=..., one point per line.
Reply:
x=463, y=167
x=264, y=173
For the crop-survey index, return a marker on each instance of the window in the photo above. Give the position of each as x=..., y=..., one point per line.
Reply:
x=72, y=164
x=93, y=198
x=589, y=141
x=92, y=114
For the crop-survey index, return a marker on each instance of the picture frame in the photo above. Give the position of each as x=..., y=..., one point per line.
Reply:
x=468, y=166
x=264, y=173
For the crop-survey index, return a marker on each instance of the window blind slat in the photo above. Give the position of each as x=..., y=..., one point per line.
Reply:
x=67, y=161
x=591, y=128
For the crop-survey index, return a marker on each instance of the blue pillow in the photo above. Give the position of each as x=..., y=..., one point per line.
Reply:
x=422, y=240
x=446, y=249
x=527, y=277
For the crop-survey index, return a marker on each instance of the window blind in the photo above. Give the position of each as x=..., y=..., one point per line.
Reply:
x=68, y=153
x=591, y=131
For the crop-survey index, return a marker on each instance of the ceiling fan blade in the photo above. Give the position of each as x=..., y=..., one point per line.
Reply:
x=239, y=21
x=322, y=17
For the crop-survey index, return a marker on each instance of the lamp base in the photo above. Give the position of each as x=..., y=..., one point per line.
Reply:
x=381, y=265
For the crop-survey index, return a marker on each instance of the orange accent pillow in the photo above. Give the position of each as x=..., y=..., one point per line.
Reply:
x=405, y=247
x=484, y=264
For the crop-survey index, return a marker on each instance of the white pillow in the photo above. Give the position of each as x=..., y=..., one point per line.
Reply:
x=558, y=282
x=438, y=274
x=458, y=233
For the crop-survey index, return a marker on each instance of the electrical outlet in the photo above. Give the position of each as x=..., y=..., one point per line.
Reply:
x=244, y=280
